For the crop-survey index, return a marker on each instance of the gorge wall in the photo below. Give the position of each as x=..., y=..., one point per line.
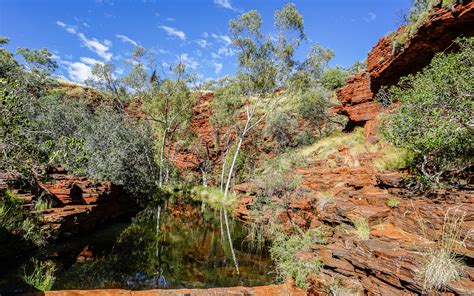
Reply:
x=385, y=65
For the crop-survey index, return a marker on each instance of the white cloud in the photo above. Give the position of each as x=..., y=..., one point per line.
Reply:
x=226, y=39
x=173, y=32
x=218, y=68
x=101, y=49
x=225, y=51
x=78, y=71
x=162, y=51
x=370, y=18
x=224, y=4
x=205, y=35
x=90, y=61
x=70, y=29
x=215, y=55
x=170, y=19
x=189, y=62
x=126, y=39
x=202, y=42
x=86, y=25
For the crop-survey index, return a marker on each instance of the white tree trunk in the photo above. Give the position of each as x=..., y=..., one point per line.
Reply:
x=234, y=258
x=162, y=156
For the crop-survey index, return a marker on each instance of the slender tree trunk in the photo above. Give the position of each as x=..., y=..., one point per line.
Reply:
x=204, y=183
x=234, y=160
x=158, y=218
x=167, y=175
x=229, y=238
x=222, y=234
x=162, y=155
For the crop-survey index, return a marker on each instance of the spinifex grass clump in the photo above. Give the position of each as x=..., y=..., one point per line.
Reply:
x=16, y=221
x=442, y=266
x=362, y=228
x=393, y=202
x=42, y=278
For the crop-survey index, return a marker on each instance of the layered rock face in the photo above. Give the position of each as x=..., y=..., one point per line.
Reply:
x=83, y=204
x=343, y=188
x=385, y=65
x=79, y=203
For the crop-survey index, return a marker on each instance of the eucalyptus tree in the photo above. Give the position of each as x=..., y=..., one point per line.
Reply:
x=167, y=103
x=264, y=65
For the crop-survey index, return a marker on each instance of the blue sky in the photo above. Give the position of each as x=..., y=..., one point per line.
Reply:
x=82, y=32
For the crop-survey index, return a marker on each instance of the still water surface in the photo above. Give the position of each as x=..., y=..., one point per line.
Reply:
x=184, y=248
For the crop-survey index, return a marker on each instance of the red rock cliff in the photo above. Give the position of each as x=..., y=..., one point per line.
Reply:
x=385, y=66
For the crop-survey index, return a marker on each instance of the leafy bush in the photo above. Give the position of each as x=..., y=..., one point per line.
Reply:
x=289, y=252
x=434, y=121
x=313, y=106
x=334, y=78
x=305, y=138
x=42, y=277
x=281, y=126
x=392, y=158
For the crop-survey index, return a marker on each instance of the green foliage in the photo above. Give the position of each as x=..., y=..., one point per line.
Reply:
x=393, y=202
x=43, y=203
x=434, y=121
x=42, y=278
x=226, y=104
x=393, y=158
x=281, y=127
x=334, y=78
x=305, y=138
x=18, y=223
x=103, y=143
x=362, y=228
x=313, y=106
x=39, y=60
x=277, y=177
x=19, y=88
x=290, y=254
x=39, y=126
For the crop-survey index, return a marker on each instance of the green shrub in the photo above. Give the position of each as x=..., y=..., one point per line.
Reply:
x=393, y=158
x=434, y=122
x=305, y=138
x=393, y=202
x=281, y=127
x=288, y=253
x=313, y=106
x=42, y=278
x=334, y=78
